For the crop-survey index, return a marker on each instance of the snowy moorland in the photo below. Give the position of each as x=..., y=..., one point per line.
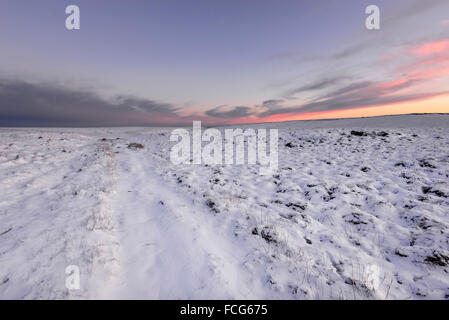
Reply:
x=358, y=209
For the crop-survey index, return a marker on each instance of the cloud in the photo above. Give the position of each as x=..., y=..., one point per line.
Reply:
x=319, y=85
x=353, y=87
x=416, y=8
x=426, y=61
x=431, y=60
x=431, y=48
x=235, y=112
x=272, y=102
x=350, y=51
x=24, y=103
x=299, y=57
x=356, y=95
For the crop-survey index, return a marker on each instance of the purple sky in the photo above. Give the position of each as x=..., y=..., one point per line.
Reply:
x=137, y=62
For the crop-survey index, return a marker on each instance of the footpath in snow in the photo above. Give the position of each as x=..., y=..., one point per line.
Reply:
x=168, y=247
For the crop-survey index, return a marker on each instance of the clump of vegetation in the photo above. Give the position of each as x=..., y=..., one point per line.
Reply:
x=296, y=206
x=212, y=205
x=423, y=163
x=358, y=133
x=437, y=259
x=268, y=235
x=438, y=193
x=135, y=146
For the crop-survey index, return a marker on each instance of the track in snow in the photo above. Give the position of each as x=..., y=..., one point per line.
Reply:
x=167, y=250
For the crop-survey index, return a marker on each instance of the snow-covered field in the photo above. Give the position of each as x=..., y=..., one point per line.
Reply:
x=359, y=209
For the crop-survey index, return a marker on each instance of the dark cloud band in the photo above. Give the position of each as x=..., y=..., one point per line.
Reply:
x=28, y=104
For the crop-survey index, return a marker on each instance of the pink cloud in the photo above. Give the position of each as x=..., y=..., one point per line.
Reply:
x=392, y=84
x=431, y=61
x=431, y=48
x=429, y=74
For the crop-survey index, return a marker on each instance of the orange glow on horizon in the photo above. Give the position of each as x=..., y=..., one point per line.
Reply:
x=438, y=104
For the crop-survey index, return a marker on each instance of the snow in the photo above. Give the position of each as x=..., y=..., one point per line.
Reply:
x=345, y=217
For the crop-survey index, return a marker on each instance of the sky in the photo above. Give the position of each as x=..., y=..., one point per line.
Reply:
x=145, y=62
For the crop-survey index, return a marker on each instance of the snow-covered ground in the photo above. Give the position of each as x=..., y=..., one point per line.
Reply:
x=361, y=215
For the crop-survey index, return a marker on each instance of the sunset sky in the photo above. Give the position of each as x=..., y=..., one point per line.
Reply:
x=145, y=62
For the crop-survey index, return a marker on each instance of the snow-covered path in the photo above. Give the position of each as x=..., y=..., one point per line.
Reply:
x=167, y=249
